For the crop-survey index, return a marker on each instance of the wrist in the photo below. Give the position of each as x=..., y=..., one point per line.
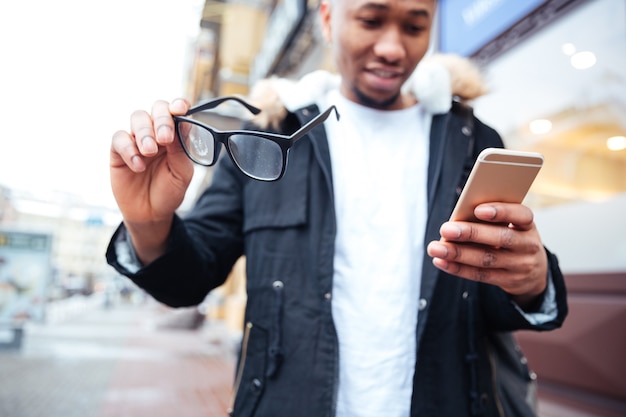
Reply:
x=149, y=239
x=531, y=302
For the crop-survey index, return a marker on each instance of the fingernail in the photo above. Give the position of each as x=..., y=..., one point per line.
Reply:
x=136, y=162
x=437, y=250
x=148, y=144
x=450, y=231
x=486, y=212
x=178, y=105
x=164, y=133
x=441, y=264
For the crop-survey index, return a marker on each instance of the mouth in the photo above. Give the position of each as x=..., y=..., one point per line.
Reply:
x=385, y=74
x=384, y=79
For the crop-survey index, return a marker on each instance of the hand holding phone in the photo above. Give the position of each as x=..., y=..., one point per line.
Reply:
x=498, y=175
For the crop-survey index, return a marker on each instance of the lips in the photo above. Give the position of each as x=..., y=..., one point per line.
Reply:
x=384, y=79
x=385, y=73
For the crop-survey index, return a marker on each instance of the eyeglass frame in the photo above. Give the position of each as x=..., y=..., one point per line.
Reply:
x=285, y=142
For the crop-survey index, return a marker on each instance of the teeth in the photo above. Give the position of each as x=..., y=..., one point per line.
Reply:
x=384, y=74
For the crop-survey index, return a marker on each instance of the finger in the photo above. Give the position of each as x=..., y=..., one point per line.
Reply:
x=468, y=262
x=529, y=282
x=485, y=275
x=472, y=255
x=513, y=271
x=142, y=130
x=163, y=122
x=509, y=282
x=494, y=235
x=124, y=151
x=506, y=213
x=179, y=107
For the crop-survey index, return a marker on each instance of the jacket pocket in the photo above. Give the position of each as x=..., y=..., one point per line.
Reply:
x=279, y=204
x=251, y=373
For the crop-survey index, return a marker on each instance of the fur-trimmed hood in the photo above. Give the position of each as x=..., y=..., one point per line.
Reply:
x=436, y=81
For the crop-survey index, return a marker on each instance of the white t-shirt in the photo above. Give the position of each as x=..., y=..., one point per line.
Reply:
x=380, y=164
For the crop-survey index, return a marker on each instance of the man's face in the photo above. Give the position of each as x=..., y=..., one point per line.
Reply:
x=377, y=45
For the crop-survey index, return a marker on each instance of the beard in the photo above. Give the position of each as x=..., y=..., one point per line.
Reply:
x=373, y=103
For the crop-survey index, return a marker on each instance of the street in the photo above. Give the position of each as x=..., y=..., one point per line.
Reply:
x=129, y=359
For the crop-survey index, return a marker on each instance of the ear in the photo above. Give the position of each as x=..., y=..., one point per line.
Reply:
x=325, y=12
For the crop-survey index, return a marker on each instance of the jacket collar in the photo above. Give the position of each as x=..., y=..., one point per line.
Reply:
x=436, y=81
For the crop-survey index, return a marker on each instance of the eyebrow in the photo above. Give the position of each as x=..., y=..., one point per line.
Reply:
x=385, y=7
x=419, y=13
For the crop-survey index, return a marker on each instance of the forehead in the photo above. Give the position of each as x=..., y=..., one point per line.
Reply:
x=411, y=6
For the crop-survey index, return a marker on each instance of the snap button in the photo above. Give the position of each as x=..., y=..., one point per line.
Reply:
x=328, y=296
x=466, y=131
x=423, y=303
x=256, y=384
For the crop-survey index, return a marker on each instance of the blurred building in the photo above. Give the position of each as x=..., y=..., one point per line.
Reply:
x=242, y=41
x=80, y=234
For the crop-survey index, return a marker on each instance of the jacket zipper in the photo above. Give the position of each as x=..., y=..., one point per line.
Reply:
x=242, y=362
x=494, y=385
x=275, y=354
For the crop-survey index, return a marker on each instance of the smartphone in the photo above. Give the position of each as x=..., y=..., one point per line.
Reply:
x=498, y=175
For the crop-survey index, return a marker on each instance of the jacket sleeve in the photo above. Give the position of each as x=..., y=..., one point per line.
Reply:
x=202, y=248
x=504, y=315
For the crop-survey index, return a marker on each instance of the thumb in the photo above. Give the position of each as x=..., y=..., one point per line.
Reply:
x=181, y=167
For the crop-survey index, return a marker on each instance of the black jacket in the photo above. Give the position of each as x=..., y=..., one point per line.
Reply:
x=286, y=229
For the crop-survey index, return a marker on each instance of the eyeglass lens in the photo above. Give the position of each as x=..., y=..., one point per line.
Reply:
x=198, y=142
x=256, y=156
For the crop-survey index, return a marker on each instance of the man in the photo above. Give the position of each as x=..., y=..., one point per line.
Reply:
x=345, y=315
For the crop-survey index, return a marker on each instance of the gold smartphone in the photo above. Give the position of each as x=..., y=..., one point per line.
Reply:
x=498, y=175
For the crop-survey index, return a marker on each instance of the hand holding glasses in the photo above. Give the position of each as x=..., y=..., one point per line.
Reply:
x=259, y=155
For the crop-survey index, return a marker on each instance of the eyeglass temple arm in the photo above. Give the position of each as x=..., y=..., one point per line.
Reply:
x=314, y=122
x=214, y=103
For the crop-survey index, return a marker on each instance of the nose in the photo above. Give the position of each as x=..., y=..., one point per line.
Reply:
x=389, y=46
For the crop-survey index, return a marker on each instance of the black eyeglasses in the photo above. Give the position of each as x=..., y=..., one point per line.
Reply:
x=260, y=155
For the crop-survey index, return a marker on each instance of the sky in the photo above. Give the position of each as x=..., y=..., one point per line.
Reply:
x=72, y=72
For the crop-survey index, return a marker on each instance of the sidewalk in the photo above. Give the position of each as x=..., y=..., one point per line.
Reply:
x=118, y=362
